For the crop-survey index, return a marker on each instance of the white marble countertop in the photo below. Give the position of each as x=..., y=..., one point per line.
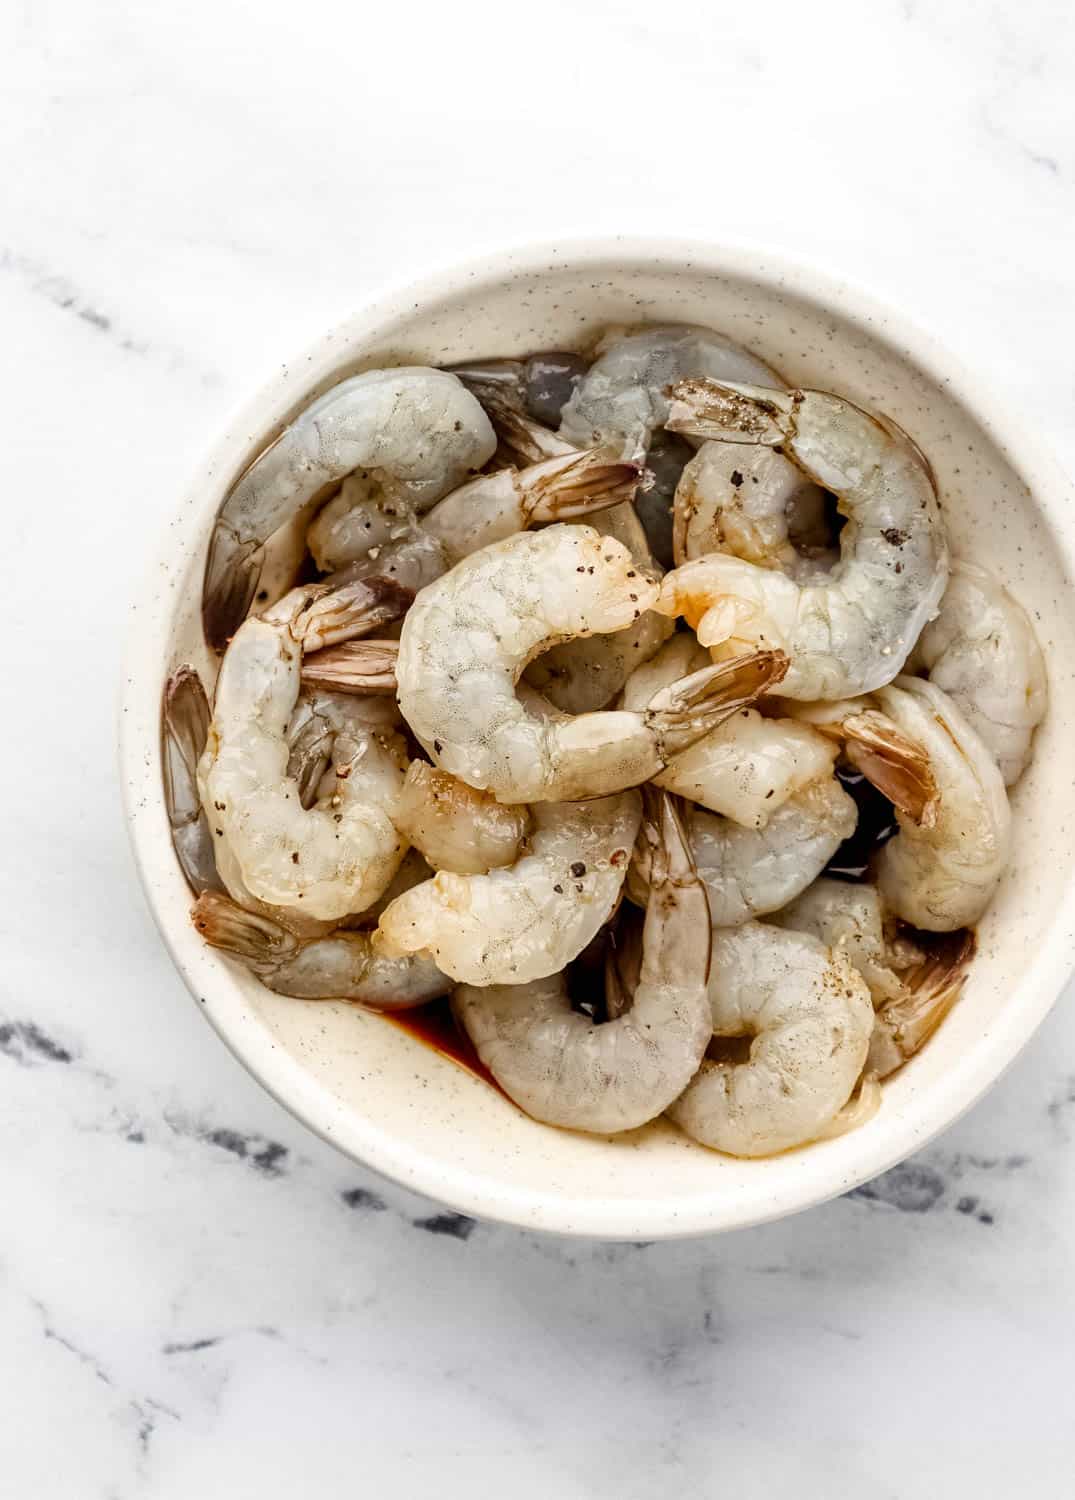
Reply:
x=198, y=1298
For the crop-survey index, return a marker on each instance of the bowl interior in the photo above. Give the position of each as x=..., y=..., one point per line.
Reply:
x=394, y=1103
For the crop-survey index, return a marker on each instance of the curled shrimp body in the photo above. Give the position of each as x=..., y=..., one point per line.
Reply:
x=583, y=675
x=745, y=502
x=470, y=634
x=912, y=992
x=749, y=872
x=338, y=855
x=749, y=766
x=531, y=918
x=809, y=1016
x=940, y=872
x=384, y=530
x=456, y=828
x=622, y=399
x=562, y=1067
x=416, y=432
x=981, y=650
x=340, y=966
x=853, y=630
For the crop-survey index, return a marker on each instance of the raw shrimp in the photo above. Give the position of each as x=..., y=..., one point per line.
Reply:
x=912, y=992
x=583, y=675
x=384, y=530
x=337, y=856
x=528, y=920
x=537, y=386
x=939, y=873
x=749, y=872
x=622, y=399
x=981, y=650
x=809, y=1015
x=456, y=828
x=745, y=501
x=469, y=635
x=416, y=432
x=343, y=966
x=565, y=1069
x=852, y=631
x=748, y=767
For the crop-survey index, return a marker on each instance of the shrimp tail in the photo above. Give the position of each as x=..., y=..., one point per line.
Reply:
x=681, y=713
x=897, y=766
x=362, y=667
x=577, y=484
x=726, y=412
x=859, y=1109
x=515, y=430
x=232, y=573
x=260, y=942
x=673, y=884
x=184, y=730
x=930, y=991
x=338, y=613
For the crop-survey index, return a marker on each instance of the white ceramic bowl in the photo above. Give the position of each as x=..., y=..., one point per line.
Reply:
x=392, y=1103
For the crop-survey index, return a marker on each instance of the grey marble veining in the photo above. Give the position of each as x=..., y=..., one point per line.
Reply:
x=197, y=1296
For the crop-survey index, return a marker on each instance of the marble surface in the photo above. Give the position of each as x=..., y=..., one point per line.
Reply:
x=197, y=1297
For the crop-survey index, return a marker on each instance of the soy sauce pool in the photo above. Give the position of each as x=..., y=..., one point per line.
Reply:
x=876, y=825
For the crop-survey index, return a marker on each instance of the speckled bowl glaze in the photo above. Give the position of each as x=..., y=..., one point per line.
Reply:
x=390, y=1102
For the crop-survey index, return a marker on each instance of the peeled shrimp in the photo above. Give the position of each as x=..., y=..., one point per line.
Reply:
x=744, y=501
x=749, y=872
x=748, y=767
x=416, y=432
x=940, y=872
x=528, y=920
x=809, y=1015
x=343, y=966
x=456, y=828
x=565, y=1069
x=581, y=676
x=622, y=399
x=981, y=650
x=852, y=631
x=469, y=635
x=912, y=993
x=387, y=533
x=337, y=856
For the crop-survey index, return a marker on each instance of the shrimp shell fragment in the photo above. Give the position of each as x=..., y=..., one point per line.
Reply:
x=526, y=921
x=810, y=1018
x=565, y=1069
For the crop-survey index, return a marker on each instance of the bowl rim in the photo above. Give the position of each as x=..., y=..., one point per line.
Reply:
x=283, y=1076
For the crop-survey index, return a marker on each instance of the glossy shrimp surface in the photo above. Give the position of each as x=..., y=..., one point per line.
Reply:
x=470, y=634
x=338, y=855
x=566, y=1069
x=853, y=630
x=809, y=1018
x=415, y=432
x=527, y=920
